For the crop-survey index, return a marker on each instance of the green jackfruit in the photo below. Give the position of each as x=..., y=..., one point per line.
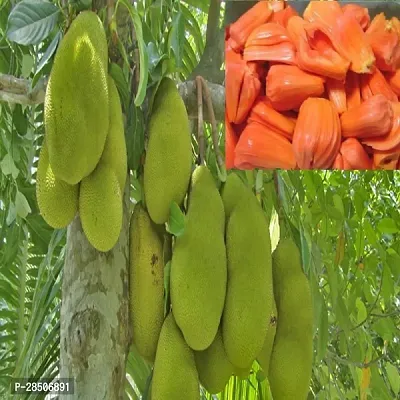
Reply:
x=265, y=355
x=57, y=200
x=114, y=153
x=231, y=193
x=76, y=103
x=213, y=366
x=242, y=373
x=248, y=302
x=146, y=282
x=292, y=353
x=100, y=207
x=168, y=161
x=175, y=375
x=198, y=267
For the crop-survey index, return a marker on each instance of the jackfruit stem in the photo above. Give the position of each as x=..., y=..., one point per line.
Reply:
x=200, y=121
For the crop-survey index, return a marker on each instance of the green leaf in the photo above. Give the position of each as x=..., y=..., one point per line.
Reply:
x=202, y=5
x=134, y=136
x=143, y=59
x=361, y=311
x=22, y=205
x=176, y=221
x=20, y=120
x=394, y=377
x=49, y=51
x=274, y=230
x=388, y=225
x=337, y=201
x=120, y=82
x=31, y=21
x=27, y=65
x=8, y=167
x=176, y=37
x=323, y=333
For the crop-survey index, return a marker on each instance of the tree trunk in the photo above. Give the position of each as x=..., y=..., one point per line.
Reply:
x=95, y=332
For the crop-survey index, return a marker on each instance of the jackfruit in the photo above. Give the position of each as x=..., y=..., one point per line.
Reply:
x=100, y=207
x=231, y=192
x=146, y=282
x=76, y=103
x=213, y=366
x=114, y=153
x=292, y=352
x=248, y=303
x=168, y=161
x=175, y=375
x=57, y=200
x=198, y=267
x=242, y=373
x=265, y=355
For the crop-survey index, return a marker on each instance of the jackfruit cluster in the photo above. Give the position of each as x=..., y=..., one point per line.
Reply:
x=224, y=314
x=83, y=161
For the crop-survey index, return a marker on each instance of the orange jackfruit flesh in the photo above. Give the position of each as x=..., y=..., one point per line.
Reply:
x=268, y=34
x=387, y=160
x=325, y=13
x=385, y=43
x=337, y=94
x=277, y=5
x=240, y=30
x=317, y=135
x=361, y=14
x=282, y=17
x=392, y=139
x=393, y=78
x=264, y=114
x=287, y=86
x=372, y=118
x=376, y=83
x=354, y=154
x=231, y=140
x=352, y=86
x=314, y=56
x=261, y=147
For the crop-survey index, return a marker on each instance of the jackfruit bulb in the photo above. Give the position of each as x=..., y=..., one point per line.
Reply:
x=57, y=200
x=265, y=355
x=175, y=375
x=213, y=366
x=114, y=153
x=100, y=207
x=292, y=352
x=146, y=282
x=168, y=161
x=248, y=302
x=198, y=267
x=76, y=103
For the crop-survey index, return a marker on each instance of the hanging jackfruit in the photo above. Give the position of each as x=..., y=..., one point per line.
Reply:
x=213, y=366
x=114, y=153
x=57, y=200
x=242, y=373
x=168, y=161
x=100, y=207
x=248, y=302
x=291, y=358
x=198, y=267
x=146, y=282
x=76, y=103
x=232, y=192
x=175, y=375
x=265, y=354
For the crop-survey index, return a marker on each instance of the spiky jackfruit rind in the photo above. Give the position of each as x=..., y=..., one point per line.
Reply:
x=146, y=282
x=175, y=375
x=292, y=353
x=114, y=153
x=57, y=200
x=198, y=268
x=168, y=161
x=76, y=102
x=100, y=208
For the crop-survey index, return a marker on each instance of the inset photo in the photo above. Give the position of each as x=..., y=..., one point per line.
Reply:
x=312, y=85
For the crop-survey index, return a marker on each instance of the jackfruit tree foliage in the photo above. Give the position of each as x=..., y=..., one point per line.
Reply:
x=100, y=207
x=76, y=102
x=213, y=366
x=249, y=295
x=146, y=268
x=114, y=153
x=57, y=200
x=198, y=268
x=175, y=375
x=292, y=352
x=168, y=161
